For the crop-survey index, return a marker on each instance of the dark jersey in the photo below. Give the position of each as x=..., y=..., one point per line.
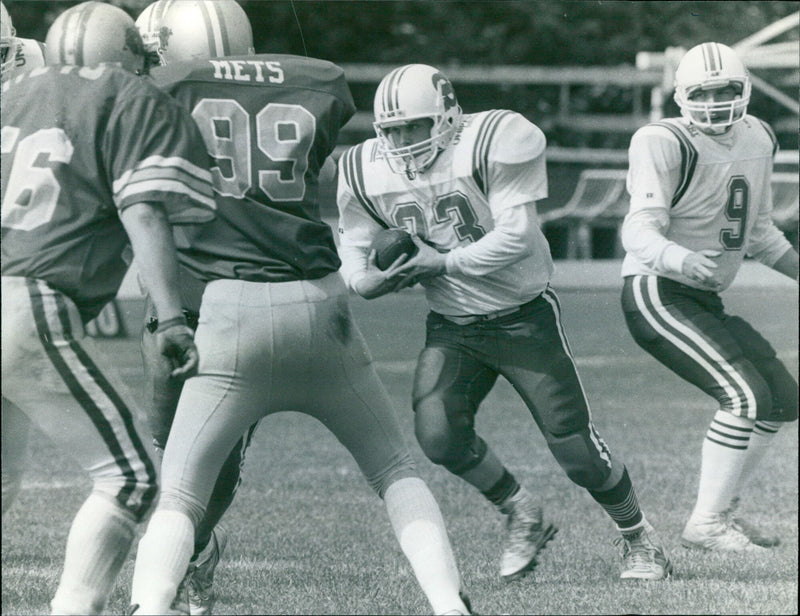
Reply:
x=269, y=122
x=80, y=145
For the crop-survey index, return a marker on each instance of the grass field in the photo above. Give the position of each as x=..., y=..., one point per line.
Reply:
x=307, y=536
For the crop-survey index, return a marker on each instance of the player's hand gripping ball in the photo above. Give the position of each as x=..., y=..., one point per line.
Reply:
x=389, y=244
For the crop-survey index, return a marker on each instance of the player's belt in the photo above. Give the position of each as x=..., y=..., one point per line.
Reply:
x=477, y=318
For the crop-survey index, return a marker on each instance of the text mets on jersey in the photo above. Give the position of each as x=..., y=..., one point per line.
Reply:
x=260, y=71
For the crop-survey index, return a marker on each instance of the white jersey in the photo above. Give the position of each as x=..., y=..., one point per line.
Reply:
x=492, y=173
x=691, y=191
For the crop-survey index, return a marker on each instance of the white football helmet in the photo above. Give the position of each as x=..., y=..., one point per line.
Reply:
x=7, y=41
x=149, y=25
x=92, y=33
x=709, y=66
x=408, y=93
x=197, y=29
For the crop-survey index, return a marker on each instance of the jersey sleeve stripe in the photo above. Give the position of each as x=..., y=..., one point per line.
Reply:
x=480, y=153
x=157, y=174
x=62, y=356
x=688, y=160
x=354, y=173
x=772, y=136
x=174, y=163
x=166, y=191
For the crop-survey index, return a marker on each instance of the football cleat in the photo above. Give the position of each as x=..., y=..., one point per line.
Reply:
x=716, y=533
x=643, y=556
x=749, y=530
x=526, y=535
x=199, y=580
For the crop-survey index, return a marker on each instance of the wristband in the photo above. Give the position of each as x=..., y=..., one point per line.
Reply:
x=163, y=325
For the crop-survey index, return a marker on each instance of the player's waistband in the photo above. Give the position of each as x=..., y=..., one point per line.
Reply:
x=490, y=316
x=248, y=293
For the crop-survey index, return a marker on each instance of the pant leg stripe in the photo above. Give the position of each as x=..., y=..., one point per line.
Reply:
x=123, y=412
x=48, y=338
x=551, y=298
x=694, y=345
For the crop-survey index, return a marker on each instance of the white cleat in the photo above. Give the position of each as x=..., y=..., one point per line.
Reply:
x=716, y=533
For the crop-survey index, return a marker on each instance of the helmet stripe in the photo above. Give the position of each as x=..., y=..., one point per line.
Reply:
x=388, y=85
x=216, y=43
x=83, y=20
x=391, y=95
x=225, y=44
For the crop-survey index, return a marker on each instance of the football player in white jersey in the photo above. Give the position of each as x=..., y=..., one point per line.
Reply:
x=466, y=187
x=701, y=201
x=17, y=54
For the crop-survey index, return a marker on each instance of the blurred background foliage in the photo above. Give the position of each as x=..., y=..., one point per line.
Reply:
x=498, y=32
x=551, y=32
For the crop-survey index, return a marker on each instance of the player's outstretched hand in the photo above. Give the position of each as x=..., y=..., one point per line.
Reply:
x=175, y=341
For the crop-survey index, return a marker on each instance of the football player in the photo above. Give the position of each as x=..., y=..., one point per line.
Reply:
x=276, y=331
x=18, y=54
x=94, y=161
x=466, y=187
x=196, y=594
x=701, y=201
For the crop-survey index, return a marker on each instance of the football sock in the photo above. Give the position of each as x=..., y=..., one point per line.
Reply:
x=490, y=477
x=723, y=458
x=161, y=561
x=98, y=544
x=503, y=491
x=620, y=503
x=760, y=441
x=420, y=530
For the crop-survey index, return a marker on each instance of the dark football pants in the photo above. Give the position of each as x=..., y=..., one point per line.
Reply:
x=460, y=364
x=688, y=331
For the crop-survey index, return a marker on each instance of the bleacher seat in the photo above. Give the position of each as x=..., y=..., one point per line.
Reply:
x=594, y=213
x=595, y=192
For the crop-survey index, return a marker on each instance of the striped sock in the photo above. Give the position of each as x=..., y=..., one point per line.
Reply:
x=723, y=458
x=620, y=503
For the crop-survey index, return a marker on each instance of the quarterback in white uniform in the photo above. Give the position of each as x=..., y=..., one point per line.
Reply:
x=701, y=201
x=466, y=187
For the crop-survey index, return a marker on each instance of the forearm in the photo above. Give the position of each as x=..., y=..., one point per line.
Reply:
x=643, y=237
x=787, y=264
x=154, y=253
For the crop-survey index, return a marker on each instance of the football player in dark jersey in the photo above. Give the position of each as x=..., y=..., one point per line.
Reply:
x=94, y=160
x=275, y=332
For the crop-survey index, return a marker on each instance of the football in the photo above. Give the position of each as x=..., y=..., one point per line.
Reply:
x=389, y=244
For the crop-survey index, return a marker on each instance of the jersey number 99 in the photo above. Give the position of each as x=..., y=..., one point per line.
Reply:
x=283, y=133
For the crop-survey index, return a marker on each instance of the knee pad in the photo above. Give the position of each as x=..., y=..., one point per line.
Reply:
x=584, y=463
x=784, y=392
x=448, y=441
